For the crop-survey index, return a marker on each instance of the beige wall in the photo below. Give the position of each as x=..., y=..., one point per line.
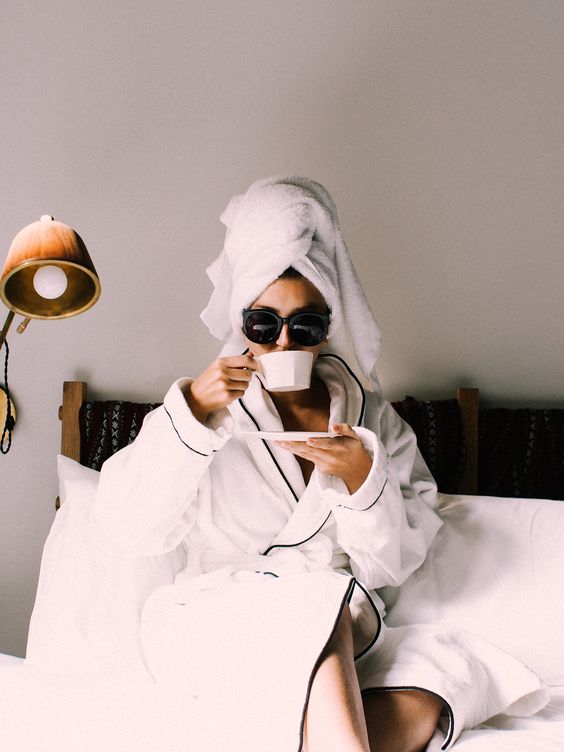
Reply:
x=436, y=124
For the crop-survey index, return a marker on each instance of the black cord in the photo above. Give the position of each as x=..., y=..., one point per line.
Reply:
x=10, y=420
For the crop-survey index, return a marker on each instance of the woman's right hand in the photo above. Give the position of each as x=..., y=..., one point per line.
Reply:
x=223, y=381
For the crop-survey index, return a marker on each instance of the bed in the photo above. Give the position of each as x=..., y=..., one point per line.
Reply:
x=494, y=569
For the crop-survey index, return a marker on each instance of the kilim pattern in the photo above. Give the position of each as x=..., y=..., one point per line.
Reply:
x=521, y=453
x=106, y=427
x=438, y=427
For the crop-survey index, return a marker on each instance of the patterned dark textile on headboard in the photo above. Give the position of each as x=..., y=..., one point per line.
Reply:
x=108, y=426
x=522, y=453
x=440, y=437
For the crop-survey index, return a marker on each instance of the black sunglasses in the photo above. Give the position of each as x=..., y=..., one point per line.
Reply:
x=263, y=327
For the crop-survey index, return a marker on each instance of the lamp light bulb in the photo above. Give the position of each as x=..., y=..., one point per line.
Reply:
x=50, y=282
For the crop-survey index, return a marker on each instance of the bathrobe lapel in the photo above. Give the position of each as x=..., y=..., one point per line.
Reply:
x=256, y=411
x=313, y=513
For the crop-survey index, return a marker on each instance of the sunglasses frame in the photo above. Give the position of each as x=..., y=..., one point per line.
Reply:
x=281, y=320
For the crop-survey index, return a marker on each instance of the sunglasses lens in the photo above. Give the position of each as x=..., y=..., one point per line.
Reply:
x=260, y=327
x=308, y=329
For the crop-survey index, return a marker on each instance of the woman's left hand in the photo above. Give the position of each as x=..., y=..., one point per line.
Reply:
x=343, y=456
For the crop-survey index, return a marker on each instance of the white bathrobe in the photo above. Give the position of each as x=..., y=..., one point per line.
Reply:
x=268, y=563
x=240, y=508
x=236, y=499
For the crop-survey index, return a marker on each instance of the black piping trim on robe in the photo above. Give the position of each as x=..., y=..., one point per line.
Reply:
x=181, y=439
x=360, y=419
x=356, y=379
x=299, y=543
x=448, y=708
x=346, y=599
x=359, y=422
x=378, y=618
x=450, y=732
x=294, y=494
x=353, y=509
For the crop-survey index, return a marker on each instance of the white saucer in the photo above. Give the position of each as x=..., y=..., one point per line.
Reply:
x=290, y=435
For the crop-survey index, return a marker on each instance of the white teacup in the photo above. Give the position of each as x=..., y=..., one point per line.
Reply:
x=285, y=370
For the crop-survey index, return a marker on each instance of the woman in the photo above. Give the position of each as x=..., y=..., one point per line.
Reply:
x=401, y=720
x=274, y=622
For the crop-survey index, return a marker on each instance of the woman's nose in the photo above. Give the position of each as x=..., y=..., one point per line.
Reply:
x=284, y=340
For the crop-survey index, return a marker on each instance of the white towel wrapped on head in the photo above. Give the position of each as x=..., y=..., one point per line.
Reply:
x=283, y=222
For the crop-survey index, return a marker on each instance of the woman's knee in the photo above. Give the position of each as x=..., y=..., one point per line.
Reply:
x=401, y=720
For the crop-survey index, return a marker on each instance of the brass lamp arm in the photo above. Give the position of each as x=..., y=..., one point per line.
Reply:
x=6, y=327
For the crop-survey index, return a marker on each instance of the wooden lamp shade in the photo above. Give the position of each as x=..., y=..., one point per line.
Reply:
x=54, y=244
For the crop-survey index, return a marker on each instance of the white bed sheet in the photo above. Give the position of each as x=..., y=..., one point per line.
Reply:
x=44, y=712
x=542, y=732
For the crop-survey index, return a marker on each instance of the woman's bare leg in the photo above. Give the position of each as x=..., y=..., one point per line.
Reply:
x=335, y=715
x=401, y=720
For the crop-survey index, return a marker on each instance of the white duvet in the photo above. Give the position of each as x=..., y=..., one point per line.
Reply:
x=118, y=712
x=44, y=712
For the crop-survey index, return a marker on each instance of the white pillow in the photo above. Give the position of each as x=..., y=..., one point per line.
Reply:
x=76, y=480
x=496, y=568
x=89, y=597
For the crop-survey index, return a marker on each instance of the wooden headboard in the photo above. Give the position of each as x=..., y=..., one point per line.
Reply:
x=76, y=409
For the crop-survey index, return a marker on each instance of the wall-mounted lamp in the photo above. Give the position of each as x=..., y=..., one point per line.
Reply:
x=48, y=274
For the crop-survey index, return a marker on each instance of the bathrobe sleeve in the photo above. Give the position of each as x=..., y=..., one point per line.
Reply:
x=144, y=504
x=387, y=526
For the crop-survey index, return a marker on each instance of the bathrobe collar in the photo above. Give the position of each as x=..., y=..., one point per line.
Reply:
x=257, y=412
